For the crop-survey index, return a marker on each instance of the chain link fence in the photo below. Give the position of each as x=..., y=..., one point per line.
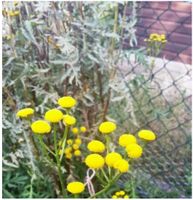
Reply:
x=162, y=102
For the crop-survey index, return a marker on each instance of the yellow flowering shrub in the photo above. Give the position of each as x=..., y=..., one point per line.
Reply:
x=71, y=149
x=96, y=146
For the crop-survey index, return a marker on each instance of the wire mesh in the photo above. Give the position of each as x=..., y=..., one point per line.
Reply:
x=162, y=103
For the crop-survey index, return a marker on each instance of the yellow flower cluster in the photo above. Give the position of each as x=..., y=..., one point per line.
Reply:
x=40, y=127
x=76, y=130
x=25, y=112
x=75, y=187
x=53, y=115
x=13, y=13
x=94, y=161
x=107, y=127
x=154, y=37
x=120, y=194
x=67, y=102
x=96, y=146
x=73, y=148
x=69, y=120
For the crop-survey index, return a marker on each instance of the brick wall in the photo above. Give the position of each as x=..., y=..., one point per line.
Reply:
x=172, y=19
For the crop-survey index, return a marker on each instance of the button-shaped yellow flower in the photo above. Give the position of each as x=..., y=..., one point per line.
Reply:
x=126, y=139
x=111, y=158
x=96, y=146
x=122, y=165
x=114, y=197
x=126, y=197
x=94, y=161
x=68, y=150
x=107, y=127
x=134, y=150
x=83, y=129
x=67, y=102
x=75, y=130
x=78, y=141
x=75, y=146
x=69, y=141
x=147, y=135
x=40, y=127
x=25, y=112
x=53, y=115
x=68, y=155
x=77, y=153
x=69, y=120
x=75, y=187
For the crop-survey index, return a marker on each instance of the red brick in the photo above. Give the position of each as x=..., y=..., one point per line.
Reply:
x=168, y=55
x=165, y=26
x=184, y=59
x=175, y=47
x=185, y=28
x=187, y=51
x=141, y=31
x=156, y=5
x=145, y=22
x=188, y=20
x=173, y=16
x=181, y=38
x=181, y=6
x=149, y=13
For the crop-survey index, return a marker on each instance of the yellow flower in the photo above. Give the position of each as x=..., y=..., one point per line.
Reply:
x=83, y=129
x=75, y=130
x=134, y=150
x=77, y=153
x=111, y=158
x=25, y=112
x=122, y=165
x=68, y=155
x=147, y=135
x=40, y=127
x=68, y=150
x=75, y=187
x=78, y=141
x=126, y=197
x=96, y=146
x=114, y=197
x=53, y=115
x=126, y=139
x=94, y=161
x=122, y=192
x=163, y=36
x=69, y=120
x=117, y=194
x=67, y=102
x=69, y=141
x=107, y=127
x=75, y=146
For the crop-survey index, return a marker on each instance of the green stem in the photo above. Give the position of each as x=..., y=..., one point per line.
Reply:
x=107, y=186
x=64, y=142
x=58, y=162
x=100, y=179
x=40, y=138
x=105, y=175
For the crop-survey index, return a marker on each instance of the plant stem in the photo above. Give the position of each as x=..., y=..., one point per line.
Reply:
x=105, y=175
x=107, y=187
x=64, y=142
x=58, y=162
